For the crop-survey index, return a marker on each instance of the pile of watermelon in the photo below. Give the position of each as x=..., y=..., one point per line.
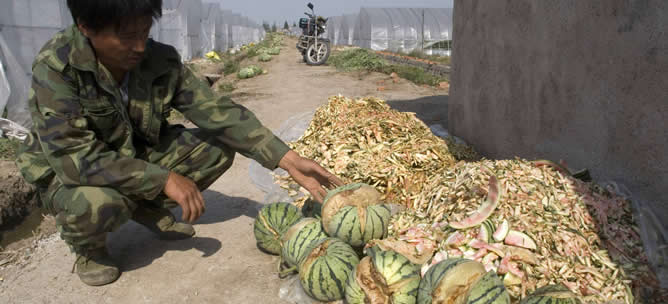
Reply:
x=264, y=57
x=338, y=253
x=250, y=72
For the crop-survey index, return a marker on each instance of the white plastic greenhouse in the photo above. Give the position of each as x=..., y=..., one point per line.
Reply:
x=210, y=12
x=348, y=29
x=192, y=27
x=25, y=25
x=334, y=29
x=402, y=29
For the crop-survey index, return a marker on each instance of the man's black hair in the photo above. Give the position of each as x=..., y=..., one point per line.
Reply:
x=98, y=14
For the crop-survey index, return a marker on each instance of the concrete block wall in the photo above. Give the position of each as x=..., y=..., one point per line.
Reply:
x=582, y=81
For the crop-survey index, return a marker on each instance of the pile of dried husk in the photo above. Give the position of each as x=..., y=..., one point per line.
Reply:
x=585, y=235
x=365, y=141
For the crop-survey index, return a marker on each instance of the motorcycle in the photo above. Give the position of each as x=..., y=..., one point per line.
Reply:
x=313, y=48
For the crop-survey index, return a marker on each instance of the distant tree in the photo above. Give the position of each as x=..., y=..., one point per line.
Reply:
x=294, y=24
x=266, y=26
x=273, y=27
x=286, y=26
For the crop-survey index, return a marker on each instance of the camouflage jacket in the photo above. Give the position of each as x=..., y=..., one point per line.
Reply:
x=84, y=135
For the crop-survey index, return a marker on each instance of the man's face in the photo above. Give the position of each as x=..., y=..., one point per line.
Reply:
x=120, y=48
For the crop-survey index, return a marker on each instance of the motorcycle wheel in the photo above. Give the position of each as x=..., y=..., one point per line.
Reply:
x=317, y=55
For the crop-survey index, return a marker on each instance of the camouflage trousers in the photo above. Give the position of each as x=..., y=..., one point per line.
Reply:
x=84, y=215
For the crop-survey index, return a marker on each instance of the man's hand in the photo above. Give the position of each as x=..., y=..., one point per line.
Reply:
x=309, y=175
x=186, y=194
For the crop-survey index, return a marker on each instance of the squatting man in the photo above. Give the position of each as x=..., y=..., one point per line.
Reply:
x=101, y=151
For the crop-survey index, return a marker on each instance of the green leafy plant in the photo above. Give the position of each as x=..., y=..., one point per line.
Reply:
x=415, y=74
x=439, y=59
x=365, y=60
x=357, y=59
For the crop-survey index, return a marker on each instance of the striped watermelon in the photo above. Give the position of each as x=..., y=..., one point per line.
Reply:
x=271, y=223
x=355, y=214
x=449, y=281
x=383, y=277
x=554, y=294
x=488, y=290
x=298, y=237
x=325, y=268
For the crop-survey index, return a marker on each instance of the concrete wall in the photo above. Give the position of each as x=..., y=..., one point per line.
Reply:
x=582, y=81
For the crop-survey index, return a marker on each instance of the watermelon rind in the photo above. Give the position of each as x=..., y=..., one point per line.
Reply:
x=325, y=267
x=486, y=230
x=501, y=231
x=298, y=237
x=488, y=290
x=355, y=214
x=510, y=279
x=553, y=294
x=486, y=208
x=449, y=281
x=383, y=277
x=271, y=223
x=520, y=239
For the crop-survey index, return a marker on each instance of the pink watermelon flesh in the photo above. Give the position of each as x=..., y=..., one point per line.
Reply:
x=485, y=209
x=455, y=239
x=519, y=239
x=501, y=231
x=483, y=234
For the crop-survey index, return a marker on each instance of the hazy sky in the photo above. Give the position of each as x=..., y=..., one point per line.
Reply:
x=292, y=10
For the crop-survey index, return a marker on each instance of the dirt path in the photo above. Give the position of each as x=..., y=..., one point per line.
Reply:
x=221, y=264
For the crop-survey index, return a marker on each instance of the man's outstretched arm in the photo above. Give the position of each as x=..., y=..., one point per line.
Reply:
x=231, y=123
x=238, y=128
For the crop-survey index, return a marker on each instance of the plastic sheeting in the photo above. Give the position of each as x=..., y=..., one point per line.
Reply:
x=334, y=29
x=195, y=28
x=220, y=43
x=348, y=29
x=228, y=17
x=172, y=28
x=235, y=31
x=5, y=91
x=14, y=87
x=210, y=13
x=25, y=26
x=290, y=130
x=402, y=29
x=438, y=25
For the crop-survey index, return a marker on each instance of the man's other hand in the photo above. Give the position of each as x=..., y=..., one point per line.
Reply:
x=307, y=173
x=184, y=191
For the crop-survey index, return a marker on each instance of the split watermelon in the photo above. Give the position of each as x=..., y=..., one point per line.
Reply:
x=324, y=269
x=271, y=223
x=355, y=214
x=383, y=277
